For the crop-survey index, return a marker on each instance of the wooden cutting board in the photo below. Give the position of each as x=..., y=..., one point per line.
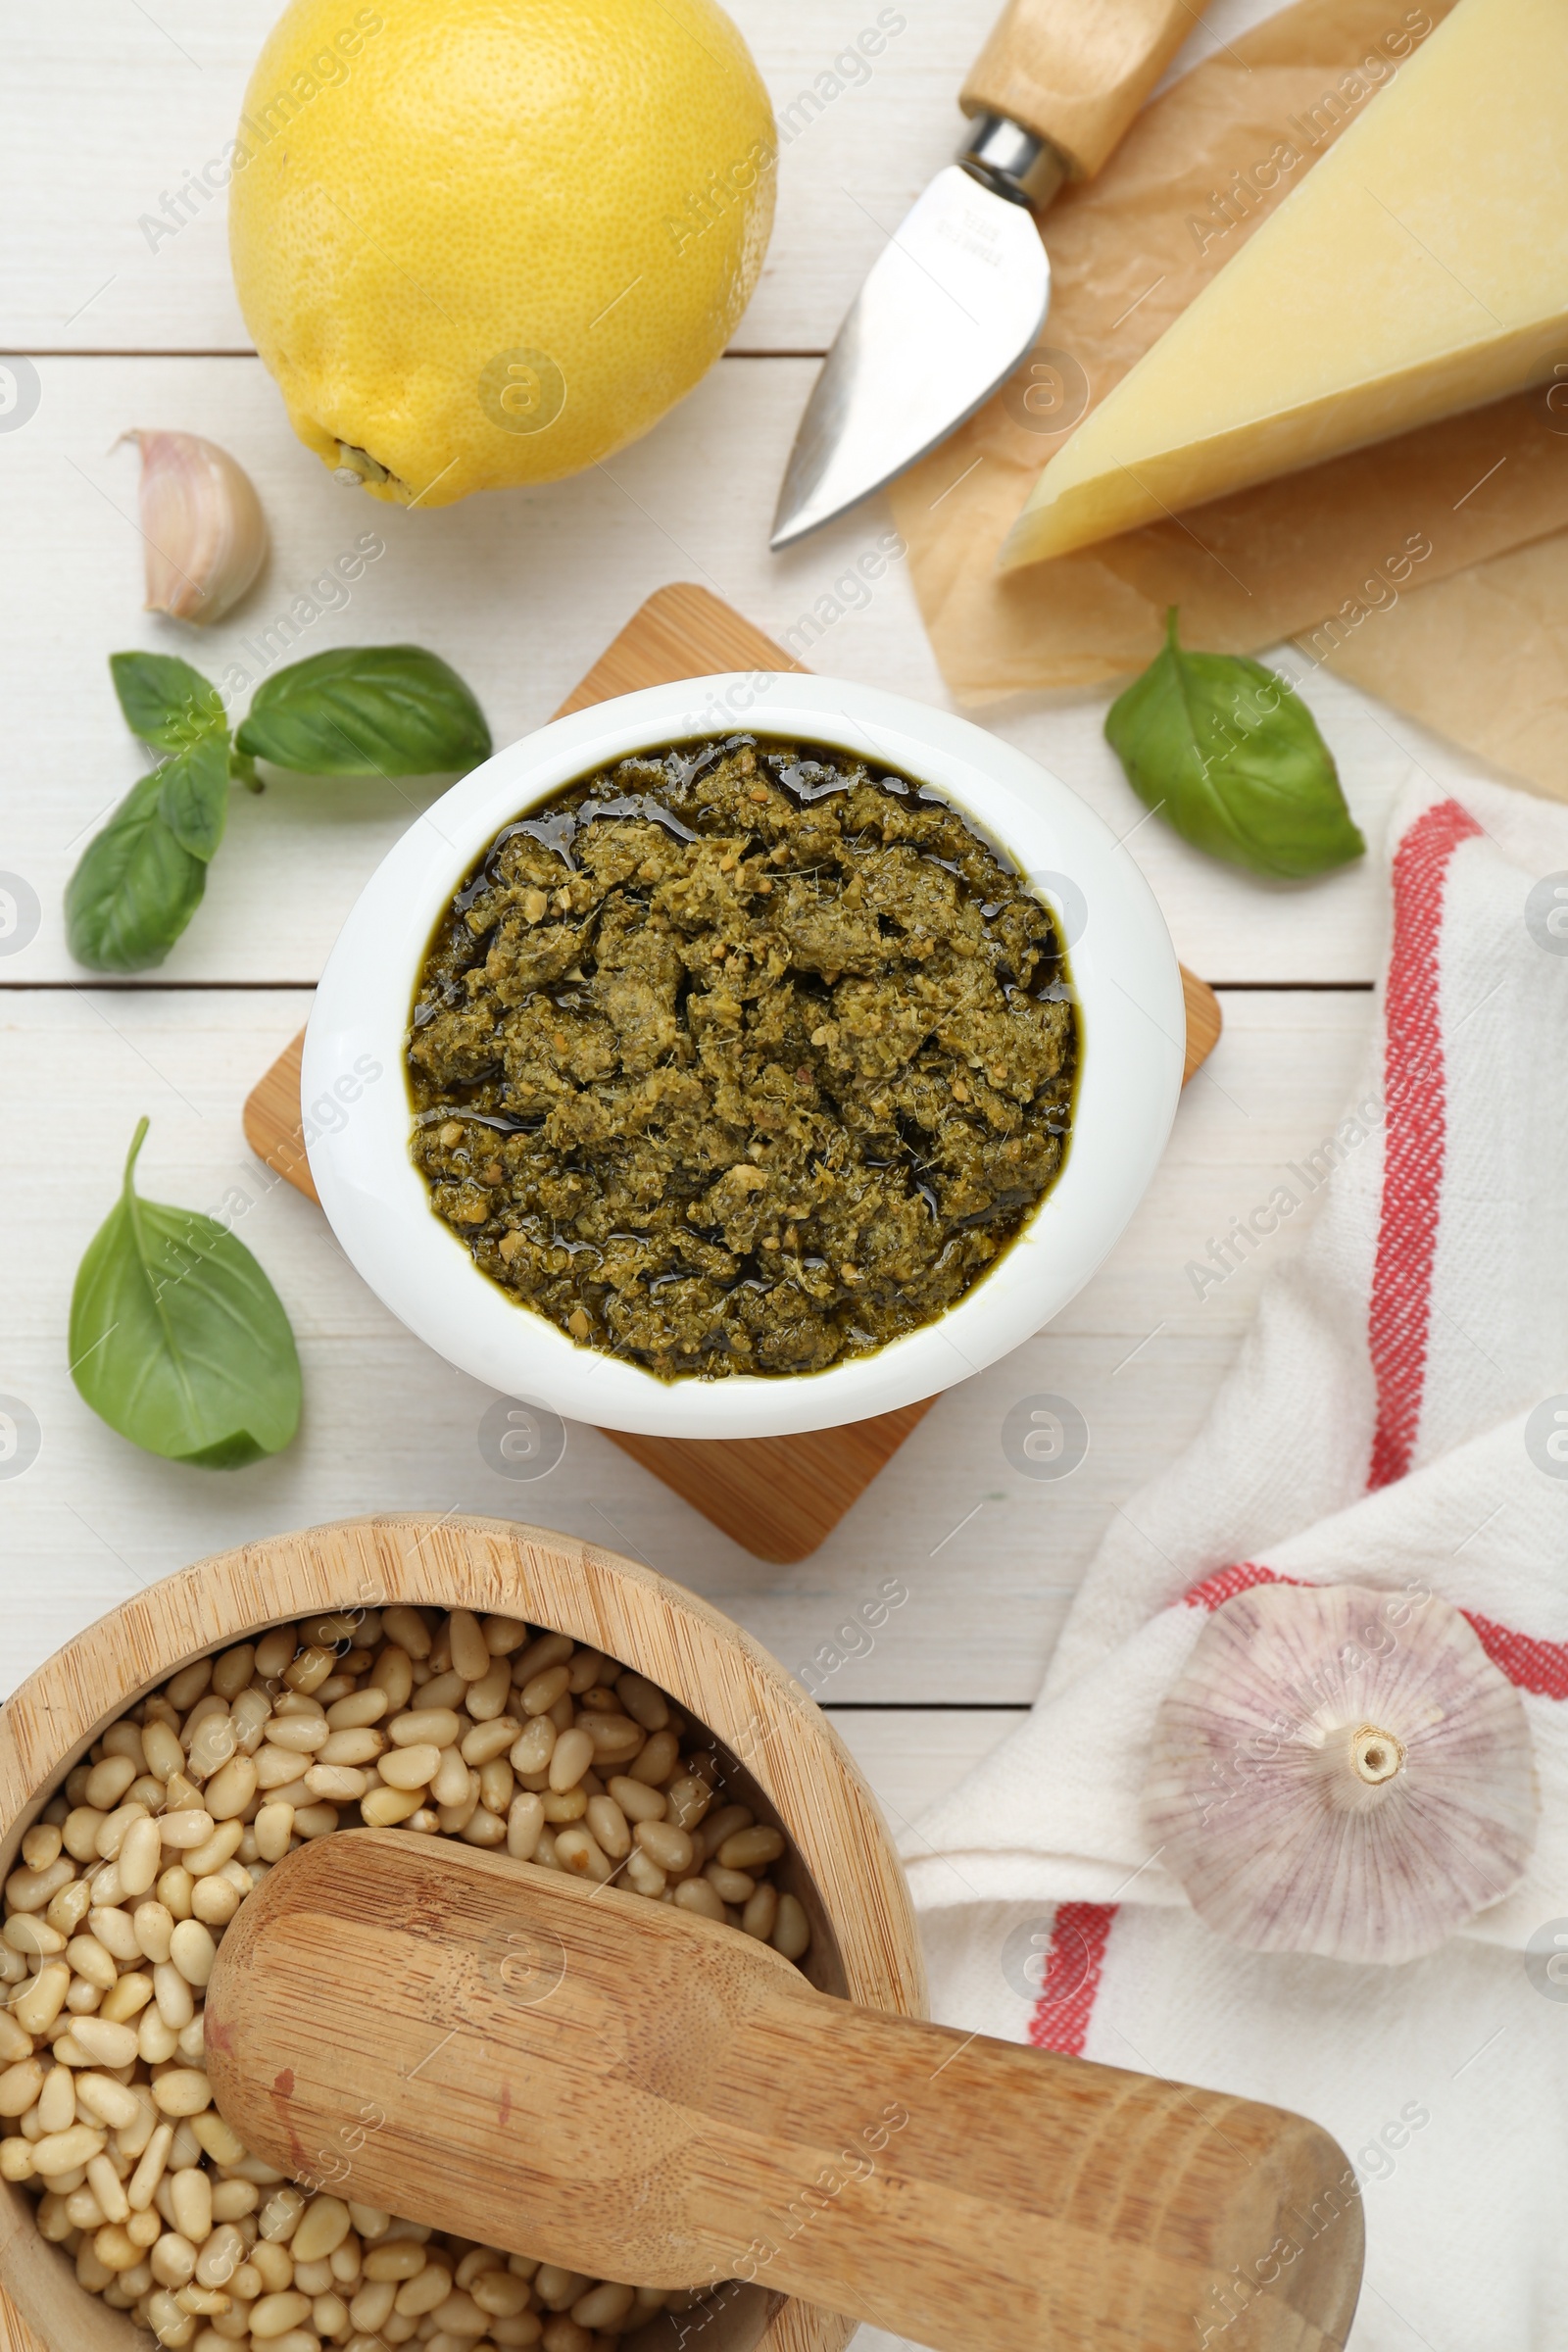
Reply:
x=779, y=1498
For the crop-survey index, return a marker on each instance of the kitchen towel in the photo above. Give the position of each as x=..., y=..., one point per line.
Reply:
x=1397, y=1418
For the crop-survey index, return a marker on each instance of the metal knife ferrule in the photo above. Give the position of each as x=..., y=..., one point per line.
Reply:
x=1012, y=162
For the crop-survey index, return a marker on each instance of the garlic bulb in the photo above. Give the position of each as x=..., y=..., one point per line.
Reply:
x=1341, y=1772
x=202, y=525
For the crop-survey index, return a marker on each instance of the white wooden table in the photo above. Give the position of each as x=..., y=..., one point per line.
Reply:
x=107, y=106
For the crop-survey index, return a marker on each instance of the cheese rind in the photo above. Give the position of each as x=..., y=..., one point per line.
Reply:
x=1421, y=268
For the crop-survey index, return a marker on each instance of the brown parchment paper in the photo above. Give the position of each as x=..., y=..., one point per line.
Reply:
x=1341, y=557
x=1482, y=658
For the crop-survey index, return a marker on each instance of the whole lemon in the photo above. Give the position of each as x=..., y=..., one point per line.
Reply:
x=485, y=242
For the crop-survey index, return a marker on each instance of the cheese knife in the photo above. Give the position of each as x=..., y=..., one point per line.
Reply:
x=962, y=289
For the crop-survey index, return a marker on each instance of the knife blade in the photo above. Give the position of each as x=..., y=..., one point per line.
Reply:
x=961, y=291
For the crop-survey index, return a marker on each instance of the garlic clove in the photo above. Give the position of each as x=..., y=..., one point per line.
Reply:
x=202, y=525
x=1341, y=1772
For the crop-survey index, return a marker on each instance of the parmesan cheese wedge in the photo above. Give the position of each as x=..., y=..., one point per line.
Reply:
x=1421, y=268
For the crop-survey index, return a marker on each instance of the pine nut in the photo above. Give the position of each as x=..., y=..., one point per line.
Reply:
x=549, y=1650
x=274, y=1827
x=143, y=2182
x=66, y=2151
x=453, y=1783
x=193, y=1952
x=578, y=1851
x=604, y=2306
x=358, y=1708
x=496, y=1784
x=385, y=1808
x=408, y=1630
x=140, y=1851
x=183, y=2090
x=221, y=2256
x=686, y=1801
x=221, y=1848
x=730, y=1886
x=430, y=2286
x=275, y=2315
x=229, y=1791
x=30, y=1891
x=644, y=1875
x=534, y=1746
x=399, y=2262
x=539, y=1694
x=410, y=1767
x=324, y=2229
x=107, y=1783
x=471, y=1651
x=724, y=1824
x=191, y=2194
x=89, y=1959
x=115, y=1931
x=696, y=1894
x=426, y=1727
x=488, y=1697
x=371, y=2307
x=187, y=1829
x=751, y=1850
x=299, y=1734
x=761, y=1912
x=36, y=2008
x=314, y=1820
x=352, y=1747
x=100, y=2099
x=108, y=2044
x=664, y=1843
x=609, y=1825
x=524, y=1821
x=573, y=1753
x=792, y=1930
x=636, y=1800
x=488, y=1740
x=20, y=2086
x=339, y=1784
x=128, y=1998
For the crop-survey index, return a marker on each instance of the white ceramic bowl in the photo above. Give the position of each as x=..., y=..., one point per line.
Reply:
x=359, y=1122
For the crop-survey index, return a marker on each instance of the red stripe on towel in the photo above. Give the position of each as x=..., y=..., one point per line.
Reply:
x=1414, y=1137
x=1074, y=1959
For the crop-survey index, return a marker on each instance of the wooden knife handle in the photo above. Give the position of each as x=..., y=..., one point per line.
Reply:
x=1076, y=72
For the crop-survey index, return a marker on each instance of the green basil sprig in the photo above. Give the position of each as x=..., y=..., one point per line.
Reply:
x=135, y=888
x=178, y=1339
x=1231, y=756
x=366, y=710
x=363, y=711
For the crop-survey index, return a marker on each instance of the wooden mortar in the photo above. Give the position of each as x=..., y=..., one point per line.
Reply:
x=865, y=1943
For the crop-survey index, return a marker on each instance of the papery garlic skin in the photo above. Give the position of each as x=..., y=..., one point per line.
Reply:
x=202, y=526
x=1341, y=1772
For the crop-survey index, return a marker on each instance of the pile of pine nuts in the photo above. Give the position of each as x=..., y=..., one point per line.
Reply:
x=482, y=1728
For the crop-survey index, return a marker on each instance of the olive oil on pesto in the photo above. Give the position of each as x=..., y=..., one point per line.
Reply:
x=741, y=1057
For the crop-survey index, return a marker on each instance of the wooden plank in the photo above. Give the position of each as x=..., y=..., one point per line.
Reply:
x=522, y=592
x=986, y=1557
x=781, y=1498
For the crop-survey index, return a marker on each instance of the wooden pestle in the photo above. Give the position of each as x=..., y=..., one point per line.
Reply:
x=640, y=2093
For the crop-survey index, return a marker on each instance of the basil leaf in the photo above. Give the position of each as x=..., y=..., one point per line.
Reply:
x=366, y=710
x=1231, y=756
x=135, y=888
x=166, y=701
x=193, y=800
x=178, y=1339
